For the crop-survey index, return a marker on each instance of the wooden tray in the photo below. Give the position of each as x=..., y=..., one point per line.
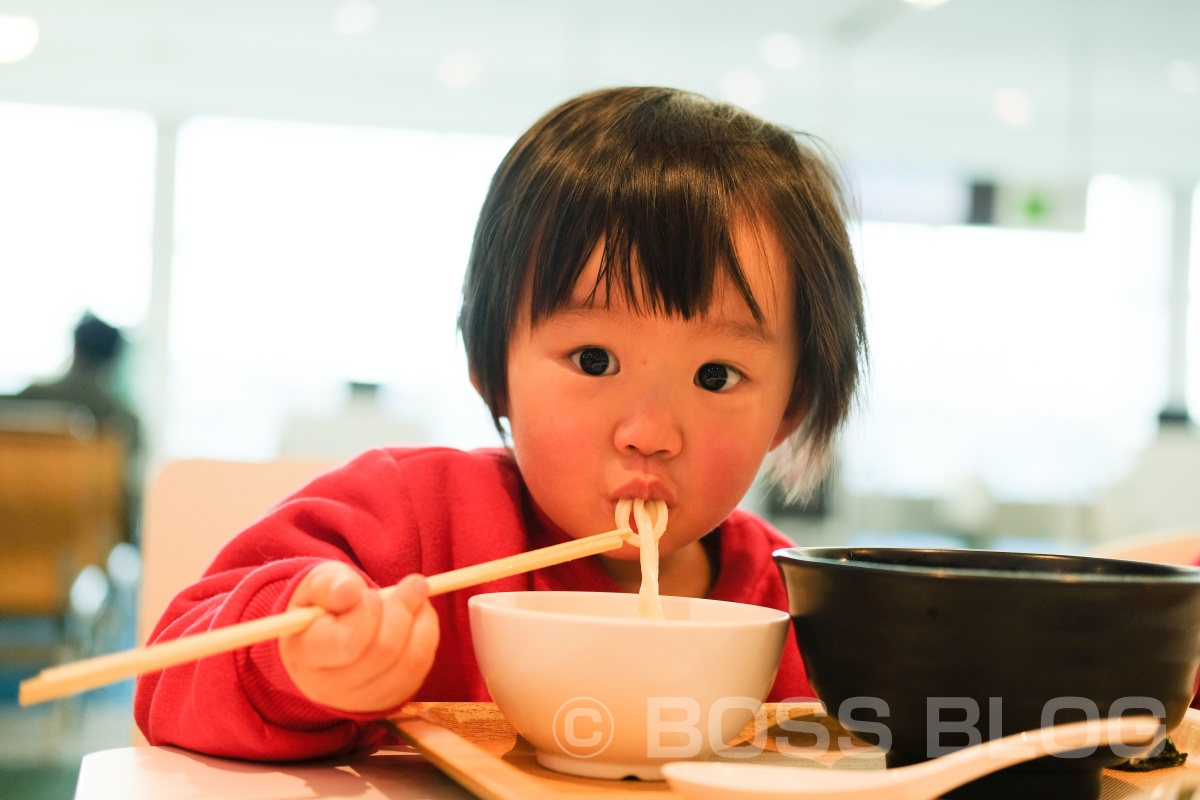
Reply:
x=475, y=745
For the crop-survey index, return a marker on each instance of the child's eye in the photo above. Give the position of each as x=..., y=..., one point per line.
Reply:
x=595, y=361
x=717, y=377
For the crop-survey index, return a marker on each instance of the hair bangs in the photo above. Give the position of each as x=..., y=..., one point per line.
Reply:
x=664, y=218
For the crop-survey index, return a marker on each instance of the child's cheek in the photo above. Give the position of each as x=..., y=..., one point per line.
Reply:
x=725, y=467
x=553, y=446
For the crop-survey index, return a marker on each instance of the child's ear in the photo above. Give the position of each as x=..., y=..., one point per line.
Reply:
x=787, y=426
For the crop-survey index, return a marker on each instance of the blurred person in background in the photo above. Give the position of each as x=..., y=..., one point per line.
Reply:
x=89, y=382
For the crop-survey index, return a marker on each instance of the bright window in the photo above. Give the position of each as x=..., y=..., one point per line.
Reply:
x=1034, y=361
x=1193, y=325
x=308, y=256
x=76, y=210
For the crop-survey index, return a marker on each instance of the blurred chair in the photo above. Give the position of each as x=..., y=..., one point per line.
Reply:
x=193, y=507
x=61, y=503
x=62, y=509
x=1172, y=546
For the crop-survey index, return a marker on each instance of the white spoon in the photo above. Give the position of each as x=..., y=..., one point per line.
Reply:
x=711, y=780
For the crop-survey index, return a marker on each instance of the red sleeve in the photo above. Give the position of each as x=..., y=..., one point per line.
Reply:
x=243, y=703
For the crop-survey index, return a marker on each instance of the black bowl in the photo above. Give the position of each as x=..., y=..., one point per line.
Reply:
x=938, y=635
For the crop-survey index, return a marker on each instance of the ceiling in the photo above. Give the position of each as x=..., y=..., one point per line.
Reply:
x=884, y=81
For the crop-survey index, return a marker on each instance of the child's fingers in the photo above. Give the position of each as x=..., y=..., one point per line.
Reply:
x=346, y=633
x=373, y=655
x=333, y=586
x=412, y=591
x=371, y=623
x=346, y=592
x=397, y=614
x=417, y=659
x=399, y=659
x=343, y=639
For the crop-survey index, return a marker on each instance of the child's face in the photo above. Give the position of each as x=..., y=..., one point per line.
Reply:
x=606, y=403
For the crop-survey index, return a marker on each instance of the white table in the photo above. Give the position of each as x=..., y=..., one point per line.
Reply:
x=169, y=773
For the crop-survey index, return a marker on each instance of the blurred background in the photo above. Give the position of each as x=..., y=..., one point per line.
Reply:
x=273, y=201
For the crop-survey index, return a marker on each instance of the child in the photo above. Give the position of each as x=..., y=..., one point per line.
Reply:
x=661, y=291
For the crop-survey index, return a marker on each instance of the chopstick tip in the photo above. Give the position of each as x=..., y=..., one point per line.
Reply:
x=28, y=695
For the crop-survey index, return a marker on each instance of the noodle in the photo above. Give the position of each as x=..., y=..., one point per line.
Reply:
x=651, y=518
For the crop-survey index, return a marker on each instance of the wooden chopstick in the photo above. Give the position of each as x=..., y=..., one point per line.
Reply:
x=80, y=676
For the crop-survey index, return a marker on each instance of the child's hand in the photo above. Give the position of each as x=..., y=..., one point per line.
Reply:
x=368, y=654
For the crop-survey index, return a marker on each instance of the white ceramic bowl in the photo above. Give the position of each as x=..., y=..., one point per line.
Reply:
x=600, y=693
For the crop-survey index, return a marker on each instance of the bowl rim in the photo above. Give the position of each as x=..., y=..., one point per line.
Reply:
x=825, y=556
x=770, y=616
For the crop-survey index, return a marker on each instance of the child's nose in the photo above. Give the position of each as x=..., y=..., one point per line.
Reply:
x=649, y=428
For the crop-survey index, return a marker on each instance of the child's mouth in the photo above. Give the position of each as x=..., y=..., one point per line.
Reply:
x=651, y=512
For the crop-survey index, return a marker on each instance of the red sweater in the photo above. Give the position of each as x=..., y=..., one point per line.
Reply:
x=390, y=513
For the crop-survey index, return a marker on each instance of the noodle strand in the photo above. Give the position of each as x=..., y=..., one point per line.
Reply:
x=651, y=518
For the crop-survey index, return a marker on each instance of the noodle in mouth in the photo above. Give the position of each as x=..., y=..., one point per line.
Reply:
x=651, y=518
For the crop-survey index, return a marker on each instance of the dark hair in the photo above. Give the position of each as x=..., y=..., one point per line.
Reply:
x=96, y=342
x=661, y=176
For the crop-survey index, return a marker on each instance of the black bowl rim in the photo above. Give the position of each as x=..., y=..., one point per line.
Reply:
x=1170, y=573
